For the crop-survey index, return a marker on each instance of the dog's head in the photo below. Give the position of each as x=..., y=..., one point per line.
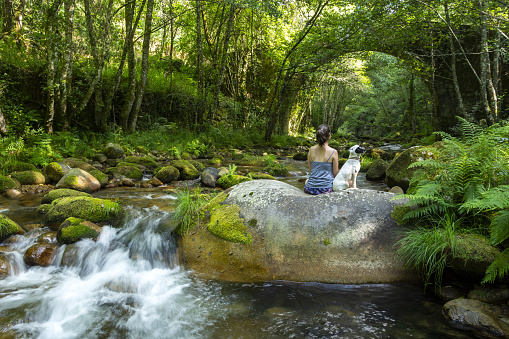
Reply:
x=356, y=151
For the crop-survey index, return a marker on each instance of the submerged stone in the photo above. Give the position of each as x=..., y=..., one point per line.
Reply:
x=40, y=255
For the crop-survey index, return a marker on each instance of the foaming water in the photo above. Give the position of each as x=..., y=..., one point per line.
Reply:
x=125, y=285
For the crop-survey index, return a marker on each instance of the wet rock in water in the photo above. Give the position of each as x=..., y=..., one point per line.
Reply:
x=5, y=265
x=92, y=209
x=48, y=238
x=146, y=184
x=31, y=227
x=7, y=183
x=29, y=177
x=76, y=163
x=155, y=182
x=56, y=170
x=398, y=173
x=186, y=169
x=8, y=228
x=377, y=170
x=472, y=256
x=490, y=294
x=265, y=230
x=476, y=314
x=209, y=176
x=61, y=193
x=113, y=151
x=13, y=193
x=75, y=229
x=448, y=293
x=128, y=182
x=168, y=174
x=80, y=180
x=147, y=162
x=70, y=257
x=397, y=190
x=300, y=156
x=40, y=255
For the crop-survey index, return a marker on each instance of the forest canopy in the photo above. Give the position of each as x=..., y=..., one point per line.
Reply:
x=365, y=67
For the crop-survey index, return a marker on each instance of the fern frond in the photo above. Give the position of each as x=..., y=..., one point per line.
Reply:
x=494, y=199
x=472, y=191
x=433, y=209
x=498, y=268
x=499, y=228
x=469, y=131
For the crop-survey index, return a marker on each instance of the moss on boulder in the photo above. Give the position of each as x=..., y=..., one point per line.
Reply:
x=113, y=151
x=76, y=163
x=8, y=228
x=168, y=174
x=226, y=223
x=56, y=170
x=148, y=162
x=473, y=255
x=29, y=177
x=377, y=170
x=7, y=183
x=88, y=208
x=75, y=229
x=80, y=180
x=11, y=166
x=43, y=209
x=61, y=193
x=130, y=172
x=132, y=164
x=186, y=169
x=100, y=176
x=198, y=165
x=398, y=173
x=260, y=175
x=228, y=181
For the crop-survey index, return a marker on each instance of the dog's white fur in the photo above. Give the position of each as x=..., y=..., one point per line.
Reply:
x=347, y=176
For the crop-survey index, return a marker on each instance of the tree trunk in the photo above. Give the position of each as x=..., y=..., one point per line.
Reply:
x=199, y=106
x=8, y=24
x=52, y=55
x=133, y=118
x=131, y=67
x=485, y=64
x=66, y=78
x=3, y=124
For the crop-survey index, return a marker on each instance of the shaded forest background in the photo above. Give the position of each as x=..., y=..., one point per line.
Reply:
x=375, y=68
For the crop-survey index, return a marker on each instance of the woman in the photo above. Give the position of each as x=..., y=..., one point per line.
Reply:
x=322, y=162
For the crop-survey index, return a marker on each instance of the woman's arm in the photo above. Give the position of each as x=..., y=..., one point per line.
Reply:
x=335, y=164
x=309, y=159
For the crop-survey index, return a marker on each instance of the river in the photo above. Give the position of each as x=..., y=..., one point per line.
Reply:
x=129, y=284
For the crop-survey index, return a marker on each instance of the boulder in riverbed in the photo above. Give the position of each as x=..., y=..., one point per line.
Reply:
x=264, y=230
x=80, y=180
x=8, y=227
x=40, y=255
x=75, y=229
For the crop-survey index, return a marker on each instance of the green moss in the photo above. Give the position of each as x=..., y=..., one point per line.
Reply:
x=216, y=162
x=326, y=241
x=55, y=171
x=75, y=163
x=148, y=162
x=8, y=227
x=186, y=169
x=75, y=232
x=62, y=192
x=186, y=156
x=131, y=164
x=130, y=172
x=198, y=165
x=92, y=209
x=212, y=204
x=474, y=247
x=72, y=180
x=100, y=176
x=16, y=166
x=226, y=223
x=168, y=174
x=260, y=175
x=228, y=181
x=399, y=212
x=253, y=222
x=29, y=177
x=7, y=183
x=44, y=208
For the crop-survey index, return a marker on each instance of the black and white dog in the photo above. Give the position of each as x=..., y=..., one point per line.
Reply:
x=347, y=176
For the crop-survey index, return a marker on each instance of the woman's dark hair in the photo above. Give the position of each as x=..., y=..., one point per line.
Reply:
x=322, y=134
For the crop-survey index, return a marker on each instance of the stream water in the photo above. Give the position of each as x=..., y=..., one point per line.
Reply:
x=129, y=284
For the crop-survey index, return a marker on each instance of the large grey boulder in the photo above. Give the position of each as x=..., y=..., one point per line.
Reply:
x=264, y=230
x=78, y=179
x=477, y=314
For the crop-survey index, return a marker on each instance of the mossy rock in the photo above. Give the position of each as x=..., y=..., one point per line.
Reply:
x=11, y=166
x=88, y=208
x=216, y=161
x=43, y=209
x=278, y=171
x=473, y=255
x=132, y=164
x=130, y=172
x=186, y=156
x=168, y=174
x=29, y=177
x=56, y=170
x=7, y=183
x=198, y=165
x=251, y=161
x=148, y=162
x=113, y=151
x=100, y=176
x=300, y=156
x=8, y=228
x=398, y=173
x=61, y=193
x=186, y=169
x=75, y=229
x=226, y=223
x=228, y=181
x=78, y=179
x=76, y=163
x=260, y=175
x=377, y=170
